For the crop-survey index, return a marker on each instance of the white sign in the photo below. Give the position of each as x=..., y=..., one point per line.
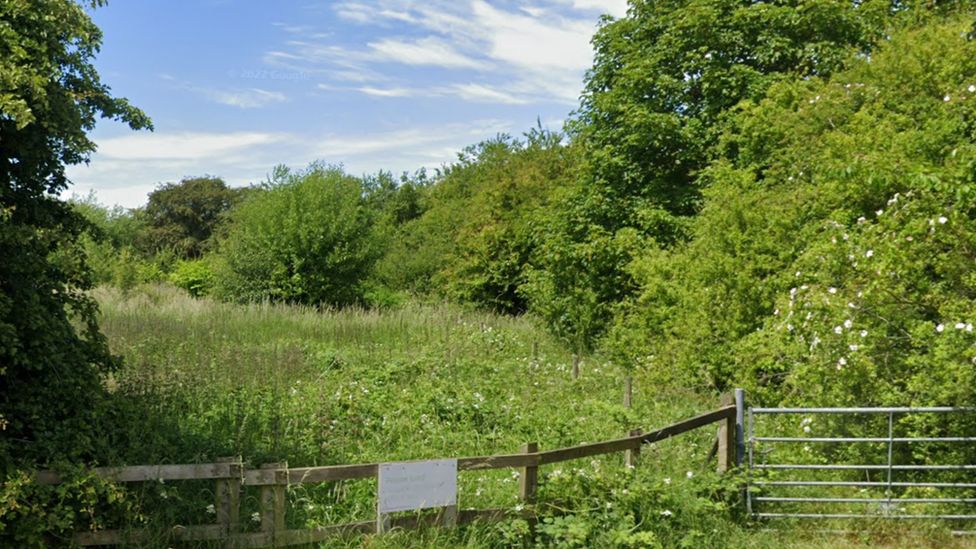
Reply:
x=407, y=486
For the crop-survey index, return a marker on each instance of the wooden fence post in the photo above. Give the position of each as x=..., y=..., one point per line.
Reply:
x=727, y=439
x=273, y=501
x=576, y=366
x=740, y=423
x=529, y=477
x=628, y=392
x=631, y=456
x=228, y=505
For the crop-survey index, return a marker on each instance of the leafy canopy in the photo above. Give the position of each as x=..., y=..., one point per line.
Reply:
x=51, y=352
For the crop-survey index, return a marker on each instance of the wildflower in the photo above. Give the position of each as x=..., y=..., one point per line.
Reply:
x=689, y=474
x=960, y=326
x=971, y=88
x=943, y=219
x=853, y=347
x=666, y=513
x=841, y=362
x=806, y=428
x=861, y=220
x=878, y=213
x=806, y=421
x=838, y=330
x=776, y=312
x=789, y=327
x=848, y=324
x=940, y=328
x=851, y=305
x=832, y=290
x=845, y=236
x=946, y=99
x=255, y=517
x=667, y=480
x=969, y=327
x=211, y=510
x=519, y=507
x=869, y=253
x=864, y=333
x=709, y=56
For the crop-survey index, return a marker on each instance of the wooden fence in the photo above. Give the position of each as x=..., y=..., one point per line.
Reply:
x=273, y=479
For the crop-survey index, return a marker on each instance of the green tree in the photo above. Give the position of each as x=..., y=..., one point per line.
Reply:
x=831, y=261
x=182, y=216
x=52, y=354
x=664, y=78
x=308, y=237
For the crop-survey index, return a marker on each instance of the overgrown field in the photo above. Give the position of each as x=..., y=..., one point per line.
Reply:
x=314, y=387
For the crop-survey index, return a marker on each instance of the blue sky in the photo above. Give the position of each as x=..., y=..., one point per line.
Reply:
x=235, y=87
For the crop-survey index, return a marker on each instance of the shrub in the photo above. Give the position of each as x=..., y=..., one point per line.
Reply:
x=307, y=238
x=194, y=276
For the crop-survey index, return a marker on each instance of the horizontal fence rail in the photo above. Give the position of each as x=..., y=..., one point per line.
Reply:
x=273, y=479
x=889, y=506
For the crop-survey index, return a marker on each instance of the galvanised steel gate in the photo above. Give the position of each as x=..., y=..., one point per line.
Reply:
x=903, y=483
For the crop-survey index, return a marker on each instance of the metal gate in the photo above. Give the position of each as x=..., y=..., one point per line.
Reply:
x=859, y=463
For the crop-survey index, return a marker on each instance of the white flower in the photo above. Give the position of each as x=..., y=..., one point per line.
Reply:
x=806, y=421
x=848, y=324
x=845, y=236
x=832, y=290
x=789, y=327
x=851, y=305
x=878, y=213
x=806, y=428
x=708, y=55
x=971, y=88
x=838, y=330
x=666, y=513
x=869, y=253
x=861, y=219
x=853, y=347
x=689, y=474
x=969, y=327
x=864, y=333
x=940, y=328
x=841, y=362
x=255, y=517
x=667, y=480
x=943, y=219
x=211, y=510
x=946, y=98
x=960, y=326
x=519, y=507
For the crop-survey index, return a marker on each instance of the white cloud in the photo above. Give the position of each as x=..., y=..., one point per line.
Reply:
x=250, y=98
x=486, y=94
x=426, y=51
x=616, y=8
x=126, y=168
x=512, y=53
x=181, y=146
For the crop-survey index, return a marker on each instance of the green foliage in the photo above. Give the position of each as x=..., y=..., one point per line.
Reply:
x=664, y=79
x=195, y=276
x=43, y=516
x=51, y=351
x=183, y=216
x=481, y=220
x=307, y=238
x=830, y=261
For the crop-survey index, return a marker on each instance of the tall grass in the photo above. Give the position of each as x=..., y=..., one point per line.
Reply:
x=313, y=386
